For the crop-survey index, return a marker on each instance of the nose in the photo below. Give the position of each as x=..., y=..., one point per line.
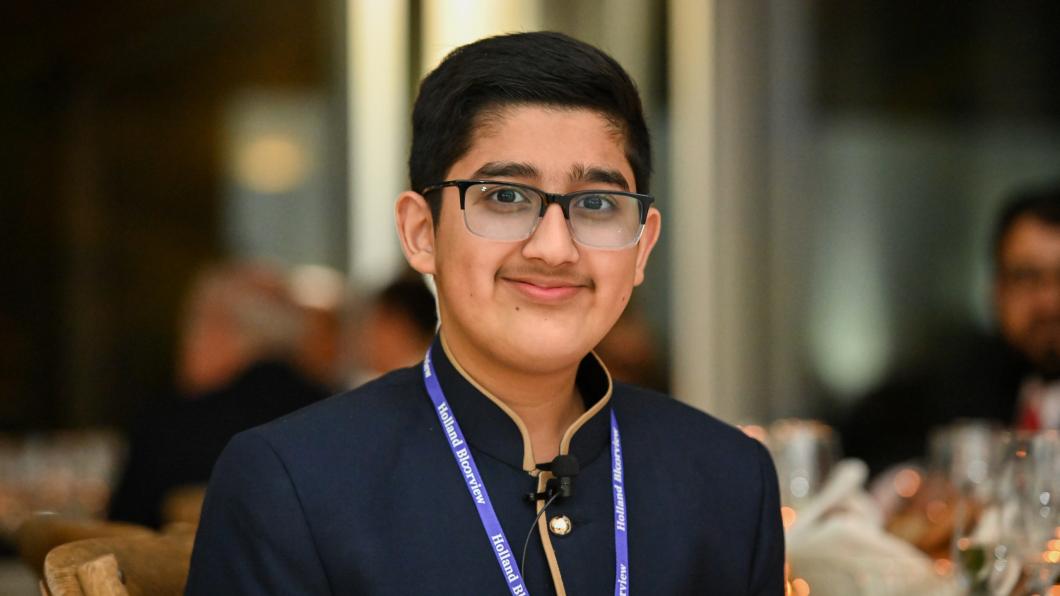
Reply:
x=551, y=242
x=1047, y=298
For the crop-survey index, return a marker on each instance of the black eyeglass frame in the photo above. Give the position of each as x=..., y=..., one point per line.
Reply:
x=563, y=200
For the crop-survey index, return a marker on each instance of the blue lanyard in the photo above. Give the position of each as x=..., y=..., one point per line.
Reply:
x=498, y=541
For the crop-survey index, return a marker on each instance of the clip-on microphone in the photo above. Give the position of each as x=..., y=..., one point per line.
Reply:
x=564, y=468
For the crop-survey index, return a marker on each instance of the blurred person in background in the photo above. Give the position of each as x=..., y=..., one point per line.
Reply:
x=240, y=337
x=395, y=328
x=1011, y=377
x=321, y=293
x=631, y=351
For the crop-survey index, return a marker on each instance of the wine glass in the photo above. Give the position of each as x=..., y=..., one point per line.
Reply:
x=969, y=454
x=804, y=452
x=1028, y=502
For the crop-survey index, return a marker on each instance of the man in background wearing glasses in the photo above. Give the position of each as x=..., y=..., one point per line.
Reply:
x=508, y=462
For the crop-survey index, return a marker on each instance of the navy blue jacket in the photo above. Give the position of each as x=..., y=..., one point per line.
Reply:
x=360, y=494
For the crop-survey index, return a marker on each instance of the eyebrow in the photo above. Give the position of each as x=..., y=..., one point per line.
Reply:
x=582, y=173
x=506, y=169
x=578, y=173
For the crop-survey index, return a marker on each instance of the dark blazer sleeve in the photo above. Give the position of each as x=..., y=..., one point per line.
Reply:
x=253, y=537
x=767, y=567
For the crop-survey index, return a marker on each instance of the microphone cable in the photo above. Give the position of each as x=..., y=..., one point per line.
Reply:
x=522, y=562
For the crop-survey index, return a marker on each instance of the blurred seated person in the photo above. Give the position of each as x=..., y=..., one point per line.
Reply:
x=631, y=352
x=1011, y=376
x=321, y=293
x=395, y=327
x=240, y=333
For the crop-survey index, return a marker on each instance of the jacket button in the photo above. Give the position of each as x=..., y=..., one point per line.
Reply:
x=560, y=525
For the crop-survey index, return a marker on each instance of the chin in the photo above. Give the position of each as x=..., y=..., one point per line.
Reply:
x=551, y=346
x=1047, y=361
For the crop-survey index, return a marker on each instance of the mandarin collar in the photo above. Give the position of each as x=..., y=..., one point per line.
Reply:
x=493, y=428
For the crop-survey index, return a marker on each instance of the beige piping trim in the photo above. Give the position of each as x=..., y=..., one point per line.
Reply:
x=546, y=539
x=564, y=445
x=564, y=448
x=529, y=464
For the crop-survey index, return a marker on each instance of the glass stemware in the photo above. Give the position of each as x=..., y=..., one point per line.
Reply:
x=804, y=452
x=969, y=454
x=1028, y=513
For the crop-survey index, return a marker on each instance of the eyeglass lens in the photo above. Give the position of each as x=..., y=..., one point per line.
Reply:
x=600, y=219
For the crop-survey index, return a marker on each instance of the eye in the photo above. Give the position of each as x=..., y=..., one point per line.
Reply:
x=1024, y=277
x=596, y=203
x=505, y=194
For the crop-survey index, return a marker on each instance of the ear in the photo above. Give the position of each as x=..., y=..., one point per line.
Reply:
x=648, y=238
x=415, y=228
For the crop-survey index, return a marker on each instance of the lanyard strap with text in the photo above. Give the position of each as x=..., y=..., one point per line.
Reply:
x=475, y=486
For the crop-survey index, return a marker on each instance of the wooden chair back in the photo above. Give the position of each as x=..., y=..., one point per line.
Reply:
x=41, y=533
x=183, y=504
x=144, y=565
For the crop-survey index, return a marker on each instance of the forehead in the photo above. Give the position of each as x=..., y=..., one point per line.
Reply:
x=553, y=140
x=1031, y=240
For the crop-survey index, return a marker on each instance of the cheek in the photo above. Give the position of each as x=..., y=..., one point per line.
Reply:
x=1015, y=314
x=473, y=276
x=615, y=276
x=466, y=275
x=614, y=287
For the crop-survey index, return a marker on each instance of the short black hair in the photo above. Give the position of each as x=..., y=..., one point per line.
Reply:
x=543, y=68
x=1041, y=203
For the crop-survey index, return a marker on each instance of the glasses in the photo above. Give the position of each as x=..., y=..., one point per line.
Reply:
x=508, y=211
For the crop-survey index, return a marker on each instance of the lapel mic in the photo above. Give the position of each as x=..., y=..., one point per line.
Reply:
x=564, y=468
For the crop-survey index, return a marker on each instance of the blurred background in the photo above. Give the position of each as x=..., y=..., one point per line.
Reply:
x=828, y=174
x=827, y=171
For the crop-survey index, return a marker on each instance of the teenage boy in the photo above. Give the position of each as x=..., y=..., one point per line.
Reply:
x=508, y=462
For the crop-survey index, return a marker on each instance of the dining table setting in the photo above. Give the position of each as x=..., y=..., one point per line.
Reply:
x=66, y=473
x=976, y=515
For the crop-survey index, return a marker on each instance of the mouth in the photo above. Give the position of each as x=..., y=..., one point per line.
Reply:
x=544, y=289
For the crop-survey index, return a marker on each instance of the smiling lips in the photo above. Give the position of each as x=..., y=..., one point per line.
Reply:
x=546, y=289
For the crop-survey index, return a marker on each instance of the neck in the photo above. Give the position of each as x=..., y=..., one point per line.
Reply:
x=546, y=403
